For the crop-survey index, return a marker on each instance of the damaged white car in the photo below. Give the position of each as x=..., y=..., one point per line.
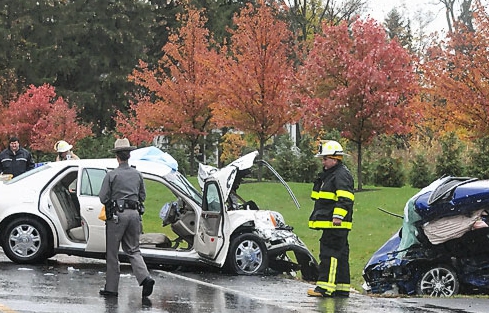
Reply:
x=54, y=209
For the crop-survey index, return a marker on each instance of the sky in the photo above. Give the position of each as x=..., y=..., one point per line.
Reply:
x=412, y=9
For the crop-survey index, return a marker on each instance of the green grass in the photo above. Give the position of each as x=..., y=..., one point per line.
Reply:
x=371, y=227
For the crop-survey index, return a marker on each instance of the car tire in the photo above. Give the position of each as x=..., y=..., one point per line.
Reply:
x=438, y=281
x=247, y=255
x=25, y=241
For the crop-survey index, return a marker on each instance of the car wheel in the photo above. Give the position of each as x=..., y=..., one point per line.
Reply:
x=26, y=241
x=439, y=281
x=247, y=255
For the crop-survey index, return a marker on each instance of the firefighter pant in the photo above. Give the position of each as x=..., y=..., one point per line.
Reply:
x=334, y=267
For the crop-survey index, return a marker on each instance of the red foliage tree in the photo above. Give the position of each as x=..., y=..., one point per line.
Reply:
x=358, y=82
x=39, y=119
x=177, y=93
x=255, y=94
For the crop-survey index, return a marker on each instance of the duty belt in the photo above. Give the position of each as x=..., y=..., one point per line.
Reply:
x=123, y=204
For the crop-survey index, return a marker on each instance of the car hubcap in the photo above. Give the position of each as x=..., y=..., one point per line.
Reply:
x=249, y=256
x=438, y=282
x=24, y=240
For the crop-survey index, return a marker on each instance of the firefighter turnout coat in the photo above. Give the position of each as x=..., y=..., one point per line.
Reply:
x=333, y=196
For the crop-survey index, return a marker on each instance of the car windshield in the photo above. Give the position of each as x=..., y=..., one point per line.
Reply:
x=27, y=174
x=178, y=181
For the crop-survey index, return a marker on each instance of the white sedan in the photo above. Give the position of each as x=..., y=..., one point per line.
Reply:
x=54, y=208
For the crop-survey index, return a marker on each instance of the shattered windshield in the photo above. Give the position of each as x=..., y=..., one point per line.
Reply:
x=178, y=181
x=409, y=230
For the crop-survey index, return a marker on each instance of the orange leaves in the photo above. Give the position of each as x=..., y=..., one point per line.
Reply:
x=457, y=80
x=176, y=95
x=255, y=93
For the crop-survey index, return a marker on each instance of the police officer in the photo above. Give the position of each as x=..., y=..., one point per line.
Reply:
x=333, y=210
x=123, y=193
x=15, y=160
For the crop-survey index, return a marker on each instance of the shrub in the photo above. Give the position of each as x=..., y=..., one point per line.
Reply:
x=449, y=161
x=389, y=173
x=420, y=175
x=479, y=165
x=296, y=164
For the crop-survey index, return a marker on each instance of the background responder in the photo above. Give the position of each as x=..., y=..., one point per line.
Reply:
x=333, y=210
x=64, y=151
x=15, y=160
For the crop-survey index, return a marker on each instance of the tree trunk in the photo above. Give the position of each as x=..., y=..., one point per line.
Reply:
x=260, y=155
x=359, y=166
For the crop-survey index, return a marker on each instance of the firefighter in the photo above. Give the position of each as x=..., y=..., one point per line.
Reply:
x=64, y=151
x=333, y=198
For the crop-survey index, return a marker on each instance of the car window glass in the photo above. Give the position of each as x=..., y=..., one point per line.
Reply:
x=91, y=181
x=213, y=200
x=179, y=182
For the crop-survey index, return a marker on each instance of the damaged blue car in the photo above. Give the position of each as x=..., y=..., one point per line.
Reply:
x=442, y=247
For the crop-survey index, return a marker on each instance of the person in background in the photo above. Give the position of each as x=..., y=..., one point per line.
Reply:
x=333, y=211
x=64, y=151
x=15, y=160
x=123, y=193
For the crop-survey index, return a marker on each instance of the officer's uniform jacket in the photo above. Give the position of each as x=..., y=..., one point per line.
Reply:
x=16, y=163
x=333, y=196
x=119, y=185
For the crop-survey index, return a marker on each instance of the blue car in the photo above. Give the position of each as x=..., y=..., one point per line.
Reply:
x=442, y=247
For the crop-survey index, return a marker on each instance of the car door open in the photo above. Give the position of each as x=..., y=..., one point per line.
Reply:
x=210, y=239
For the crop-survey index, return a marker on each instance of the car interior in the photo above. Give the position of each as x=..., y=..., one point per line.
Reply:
x=67, y=207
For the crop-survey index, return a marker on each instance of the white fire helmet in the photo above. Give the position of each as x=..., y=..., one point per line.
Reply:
x=330, y=148
x=62, y=146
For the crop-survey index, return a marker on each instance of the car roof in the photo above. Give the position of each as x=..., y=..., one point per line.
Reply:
x=145, y=166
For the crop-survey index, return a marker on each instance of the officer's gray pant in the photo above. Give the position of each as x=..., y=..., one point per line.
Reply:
x=126, y=232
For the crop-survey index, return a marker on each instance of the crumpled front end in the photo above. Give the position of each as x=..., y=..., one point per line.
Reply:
x=392, y=277
x=286, y=252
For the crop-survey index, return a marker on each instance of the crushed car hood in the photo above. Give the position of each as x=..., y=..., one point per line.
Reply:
x=226, y=175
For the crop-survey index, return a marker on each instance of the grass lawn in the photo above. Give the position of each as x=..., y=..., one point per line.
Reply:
x=371, y=227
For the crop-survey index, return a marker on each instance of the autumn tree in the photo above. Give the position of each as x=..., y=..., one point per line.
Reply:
x=255, y=94
x=357, y=81
x=175, y=96
x=39, y=118
x=456, y=81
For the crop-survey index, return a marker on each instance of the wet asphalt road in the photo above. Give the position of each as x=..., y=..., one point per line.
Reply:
x=71, y=284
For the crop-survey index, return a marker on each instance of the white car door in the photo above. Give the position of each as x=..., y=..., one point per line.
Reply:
x=210, y=240
x=89, y=184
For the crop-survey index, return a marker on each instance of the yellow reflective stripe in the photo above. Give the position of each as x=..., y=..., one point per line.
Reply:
x=327, y=195
x=332, y=271
x=343, y=287
x=345, y=194
x=330, y=288
x=329, y=224
x=331, y=195
x=315, y=195
x=340, y=212
x=330, y=285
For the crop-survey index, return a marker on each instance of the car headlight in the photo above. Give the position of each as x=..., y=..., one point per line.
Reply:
x=277, y=220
